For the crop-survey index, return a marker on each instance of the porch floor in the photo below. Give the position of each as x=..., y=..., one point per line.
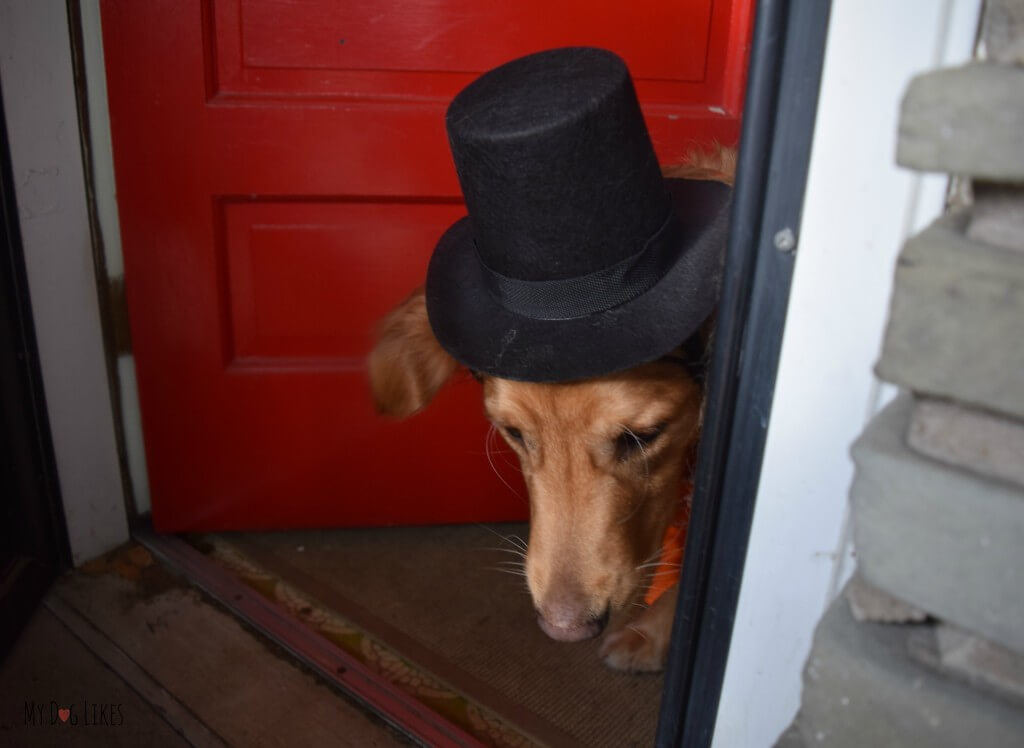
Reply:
x=137, y=657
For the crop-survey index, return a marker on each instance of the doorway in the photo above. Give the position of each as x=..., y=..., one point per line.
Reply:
x=744, y=291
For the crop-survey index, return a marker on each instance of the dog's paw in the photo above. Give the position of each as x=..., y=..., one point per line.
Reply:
x=641, y=646
x=634, y=650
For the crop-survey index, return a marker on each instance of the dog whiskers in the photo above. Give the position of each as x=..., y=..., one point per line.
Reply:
x=647, y=473
x=656, y=564
x=653, y=557
x=634, y=510
x=513, y=551
x=514, y=540
x=490, y=461
x=513, y=564
x=643, y=451
x=638, y=632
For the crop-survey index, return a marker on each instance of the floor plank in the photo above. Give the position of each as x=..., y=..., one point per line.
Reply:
x=179, y=670
x=51, y=668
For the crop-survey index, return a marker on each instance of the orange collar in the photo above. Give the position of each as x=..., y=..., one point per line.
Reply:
x=670, y=561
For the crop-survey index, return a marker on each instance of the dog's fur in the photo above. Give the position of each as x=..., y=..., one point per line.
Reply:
x=604, y=460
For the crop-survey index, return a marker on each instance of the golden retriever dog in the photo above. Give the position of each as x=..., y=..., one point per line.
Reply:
x=606, y=460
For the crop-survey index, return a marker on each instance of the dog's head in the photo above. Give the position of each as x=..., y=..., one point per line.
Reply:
x=603, y=461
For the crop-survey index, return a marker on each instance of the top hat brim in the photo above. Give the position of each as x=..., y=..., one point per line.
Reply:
x=486, y=337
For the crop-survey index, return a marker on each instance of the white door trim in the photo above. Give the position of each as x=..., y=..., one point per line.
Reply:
x=42, y=127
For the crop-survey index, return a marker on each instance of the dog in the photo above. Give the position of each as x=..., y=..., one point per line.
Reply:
x=606, y=461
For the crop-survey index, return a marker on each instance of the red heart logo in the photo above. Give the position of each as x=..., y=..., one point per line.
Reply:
x=63, y=714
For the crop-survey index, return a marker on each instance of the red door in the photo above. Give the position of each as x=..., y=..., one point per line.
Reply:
x=282, y=177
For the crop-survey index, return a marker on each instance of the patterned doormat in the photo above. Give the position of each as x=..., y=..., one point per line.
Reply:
x=428, y=609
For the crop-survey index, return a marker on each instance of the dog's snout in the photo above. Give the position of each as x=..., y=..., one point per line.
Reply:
x=570, y=621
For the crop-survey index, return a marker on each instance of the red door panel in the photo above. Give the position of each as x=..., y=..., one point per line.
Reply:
x=283, y=174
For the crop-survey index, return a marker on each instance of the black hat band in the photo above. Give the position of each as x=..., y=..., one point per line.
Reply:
x=604, y=289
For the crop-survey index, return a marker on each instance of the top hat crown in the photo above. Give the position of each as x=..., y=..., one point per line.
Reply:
x=556, y=166
x=573, y=234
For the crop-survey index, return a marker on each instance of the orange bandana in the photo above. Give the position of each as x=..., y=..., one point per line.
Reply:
x=670, y=562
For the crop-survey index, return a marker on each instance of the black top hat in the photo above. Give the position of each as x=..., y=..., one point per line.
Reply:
x=577, y=257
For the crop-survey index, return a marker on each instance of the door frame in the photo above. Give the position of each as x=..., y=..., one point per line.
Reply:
x=34, y=546
x=101, y=161
x=778, y=123
x=46, y=142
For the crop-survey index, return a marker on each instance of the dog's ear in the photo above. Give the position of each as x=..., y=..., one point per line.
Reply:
x=716, y=163
x=407, y=365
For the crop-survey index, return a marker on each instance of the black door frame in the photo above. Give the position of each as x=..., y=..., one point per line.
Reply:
x=778, y=123
x=33, y=537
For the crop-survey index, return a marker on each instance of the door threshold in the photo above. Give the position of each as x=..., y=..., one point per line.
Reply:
x=333, y=664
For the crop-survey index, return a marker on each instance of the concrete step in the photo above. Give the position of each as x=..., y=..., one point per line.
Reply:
x=791, y=738
x=965, y=120
x=1002, y=31
x=868, y=603
x=941, y=538
x=968, y=657
x=956, y=324
x=862, y=688
x=997, y=215
x=968, y=438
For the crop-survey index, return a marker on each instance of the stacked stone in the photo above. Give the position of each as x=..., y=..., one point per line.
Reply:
x=928, y=646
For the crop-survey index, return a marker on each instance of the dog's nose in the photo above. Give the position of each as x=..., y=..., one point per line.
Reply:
x=567, y=623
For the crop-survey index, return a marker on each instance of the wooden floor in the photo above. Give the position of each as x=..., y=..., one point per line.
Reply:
x=122, y=653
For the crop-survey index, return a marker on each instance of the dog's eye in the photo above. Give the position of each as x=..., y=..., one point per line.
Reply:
x=630, y=442
x=514, y=433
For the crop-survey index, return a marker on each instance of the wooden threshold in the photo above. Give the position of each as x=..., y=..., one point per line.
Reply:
x=331, y=663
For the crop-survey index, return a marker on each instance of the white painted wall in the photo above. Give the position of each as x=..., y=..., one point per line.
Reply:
x=39, y=104
x=858, y=210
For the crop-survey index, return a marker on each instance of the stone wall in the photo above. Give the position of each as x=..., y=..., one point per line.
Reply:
x=927, y=645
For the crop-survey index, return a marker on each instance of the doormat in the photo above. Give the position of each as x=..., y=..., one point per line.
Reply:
x=382, y=659
x=429, y=609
